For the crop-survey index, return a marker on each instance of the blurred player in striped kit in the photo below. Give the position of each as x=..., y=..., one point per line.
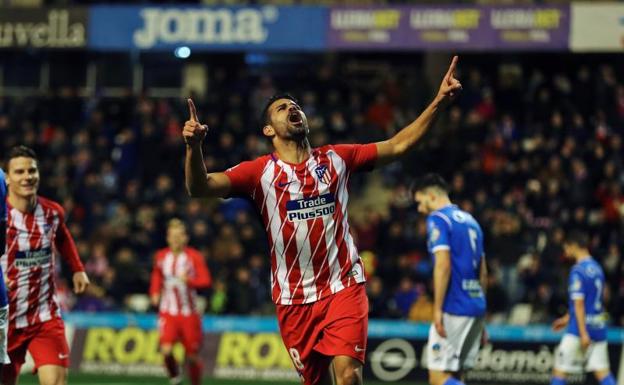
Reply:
x=584, y=344
x=178, y=271
x=36, y=231
x=301, y=193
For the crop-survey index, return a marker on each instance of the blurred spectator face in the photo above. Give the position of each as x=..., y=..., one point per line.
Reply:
x=286, y=120
x=375, y=286
x=23, y=177
x=242, y=275
x=176, y=235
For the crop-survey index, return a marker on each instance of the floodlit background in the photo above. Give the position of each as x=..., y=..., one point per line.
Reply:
x=532, y=147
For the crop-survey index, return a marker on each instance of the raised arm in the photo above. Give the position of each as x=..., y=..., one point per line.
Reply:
x=404, y=140
x=198, y=182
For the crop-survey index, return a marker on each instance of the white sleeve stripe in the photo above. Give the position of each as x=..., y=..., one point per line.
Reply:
x=577, y=295
x=441, y=247
x=445, y=218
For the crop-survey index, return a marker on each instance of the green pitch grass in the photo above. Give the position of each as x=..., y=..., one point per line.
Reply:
x=92, y=379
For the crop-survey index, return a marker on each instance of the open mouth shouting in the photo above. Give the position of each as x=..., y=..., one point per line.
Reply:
x=295, y=118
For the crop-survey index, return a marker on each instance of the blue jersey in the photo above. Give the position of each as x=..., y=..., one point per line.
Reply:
x=457, y=231
x=3, y=218
x=587, y=281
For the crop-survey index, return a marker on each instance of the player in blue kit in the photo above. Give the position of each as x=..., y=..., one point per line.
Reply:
x=4, y=300
x=584, y=344
x=455, y=242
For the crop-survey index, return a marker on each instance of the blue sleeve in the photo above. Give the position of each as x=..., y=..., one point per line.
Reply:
x=4, y=298
x=3, y=292
x=438, y=234
x=3, y=194
x=575, y=286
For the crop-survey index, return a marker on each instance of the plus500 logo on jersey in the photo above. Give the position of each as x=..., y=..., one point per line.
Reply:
x=32, y=258
x=310, y=208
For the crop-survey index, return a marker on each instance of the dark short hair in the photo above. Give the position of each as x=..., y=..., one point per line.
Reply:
x=429, y=180
x=21, y=151
x=265, y=112
x=577, y=237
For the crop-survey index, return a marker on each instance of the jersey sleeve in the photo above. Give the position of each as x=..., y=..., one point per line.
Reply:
x=202, y=278
x=575, y=286
x=65, y=244
x=3, y=212
x=358, y=157
x=243, y=177
x=156, y=278
x=438, y=234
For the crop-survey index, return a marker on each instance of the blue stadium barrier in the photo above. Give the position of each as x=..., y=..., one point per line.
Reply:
x=377, y=328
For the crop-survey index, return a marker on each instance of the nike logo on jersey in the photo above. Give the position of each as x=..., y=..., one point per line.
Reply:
x=359, y=349
x=284, y=184
x=63, y=356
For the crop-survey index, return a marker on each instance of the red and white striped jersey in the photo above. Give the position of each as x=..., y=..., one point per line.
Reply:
x=33, y=239
x=304, y=210
x=176, y=277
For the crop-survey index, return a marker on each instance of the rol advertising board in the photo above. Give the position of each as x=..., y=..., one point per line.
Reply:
x=207, y=28
x=135, y=351
x=251, y=348
x=447, y=27
x=49, y=28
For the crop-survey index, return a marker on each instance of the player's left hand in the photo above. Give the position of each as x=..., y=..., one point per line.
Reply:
x=81, y=281
x=450, y=86
x=437, y=322
x=585, y=341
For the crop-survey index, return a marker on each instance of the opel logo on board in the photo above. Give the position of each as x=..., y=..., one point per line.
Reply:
x=393, y=359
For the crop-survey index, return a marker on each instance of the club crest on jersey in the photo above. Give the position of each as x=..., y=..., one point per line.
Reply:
x=322, y=174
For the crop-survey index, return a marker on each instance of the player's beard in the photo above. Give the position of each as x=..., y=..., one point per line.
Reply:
x=294, y=132
x=298, y=132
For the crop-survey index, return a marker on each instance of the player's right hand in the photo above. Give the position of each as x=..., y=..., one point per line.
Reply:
x=193, y=131
x=81, y=281
x=437, y=322
x=585, y=341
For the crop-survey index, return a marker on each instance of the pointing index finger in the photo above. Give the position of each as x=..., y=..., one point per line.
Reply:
x=192, y=110
x=451, y=70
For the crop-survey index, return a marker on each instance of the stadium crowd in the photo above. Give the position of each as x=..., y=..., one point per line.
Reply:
x=531, y=149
